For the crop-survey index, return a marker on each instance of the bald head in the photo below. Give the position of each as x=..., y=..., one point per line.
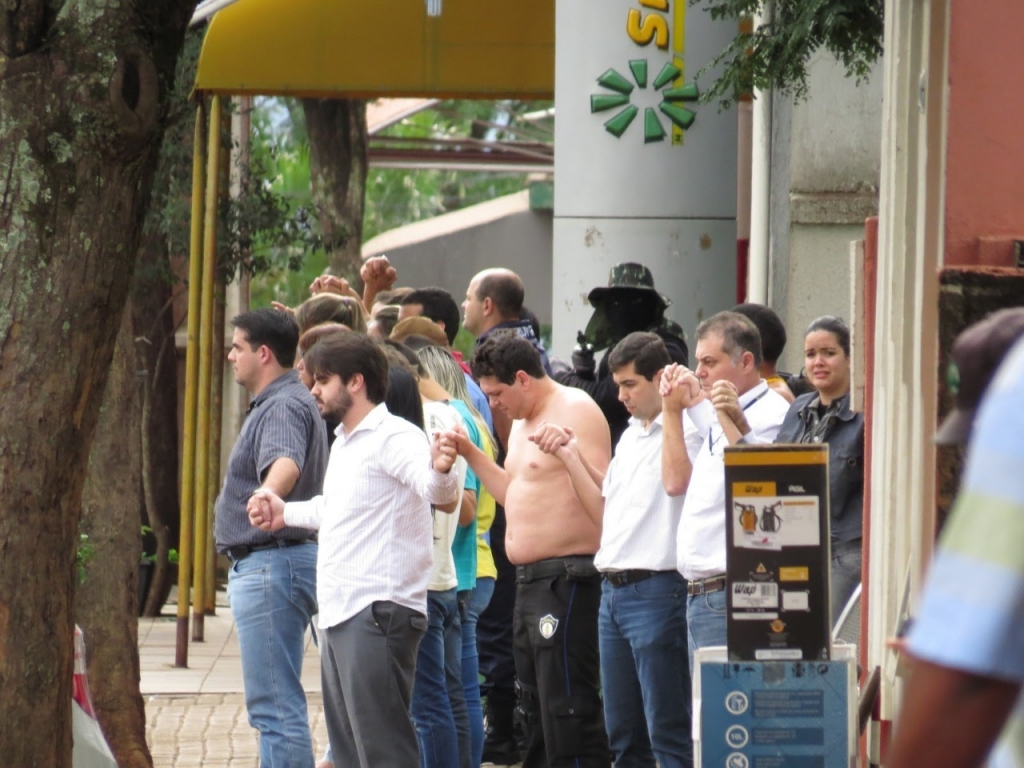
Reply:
x=494, y=296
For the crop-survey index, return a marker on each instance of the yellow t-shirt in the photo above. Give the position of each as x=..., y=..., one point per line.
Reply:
x=485, y=510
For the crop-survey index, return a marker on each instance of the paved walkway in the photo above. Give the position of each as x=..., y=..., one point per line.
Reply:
x=195, y=717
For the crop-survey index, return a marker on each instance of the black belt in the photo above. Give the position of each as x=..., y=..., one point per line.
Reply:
x=631, y=576
x=239, y=551
x=574, y=566
x=704, y=586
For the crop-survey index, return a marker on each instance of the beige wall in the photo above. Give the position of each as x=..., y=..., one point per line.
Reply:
x=448, y=250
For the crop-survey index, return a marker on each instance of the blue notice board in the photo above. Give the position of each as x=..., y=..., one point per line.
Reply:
x=775, y=714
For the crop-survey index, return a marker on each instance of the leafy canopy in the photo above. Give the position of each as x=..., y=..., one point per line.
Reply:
x=775, y=55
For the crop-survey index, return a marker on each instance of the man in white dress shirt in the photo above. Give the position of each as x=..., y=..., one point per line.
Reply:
x=642, y=623
x=726, y=402
x=375, y=552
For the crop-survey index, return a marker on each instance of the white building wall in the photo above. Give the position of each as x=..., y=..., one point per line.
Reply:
x=826, y=153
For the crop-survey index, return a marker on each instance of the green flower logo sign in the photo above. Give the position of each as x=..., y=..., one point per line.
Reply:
x=622, y=89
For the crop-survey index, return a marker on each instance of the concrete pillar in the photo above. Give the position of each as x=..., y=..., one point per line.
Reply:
x=642, y=172
x=910, y=243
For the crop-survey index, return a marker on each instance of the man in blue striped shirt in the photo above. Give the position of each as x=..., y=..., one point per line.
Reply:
x=272, y=582
x=963, y=695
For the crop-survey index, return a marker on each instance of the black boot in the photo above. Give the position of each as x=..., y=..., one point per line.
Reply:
x=500, y=746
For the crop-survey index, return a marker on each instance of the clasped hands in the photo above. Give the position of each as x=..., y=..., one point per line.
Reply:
x=680, y=389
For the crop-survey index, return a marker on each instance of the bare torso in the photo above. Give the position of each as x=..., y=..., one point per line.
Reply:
x=545, y=517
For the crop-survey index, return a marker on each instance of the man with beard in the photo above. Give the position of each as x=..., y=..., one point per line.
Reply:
x=271, y=585
x=628, y=304
x=374, y=519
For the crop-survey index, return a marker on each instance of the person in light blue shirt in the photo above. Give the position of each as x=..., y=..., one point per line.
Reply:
x=962, y=704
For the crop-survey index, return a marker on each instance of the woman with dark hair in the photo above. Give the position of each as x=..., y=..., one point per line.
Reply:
x=403, y=398
x=824, y=416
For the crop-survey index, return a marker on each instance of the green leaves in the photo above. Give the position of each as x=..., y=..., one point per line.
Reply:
x=775, y=55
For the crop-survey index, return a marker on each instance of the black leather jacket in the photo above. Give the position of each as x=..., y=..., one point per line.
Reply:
x=845, y=440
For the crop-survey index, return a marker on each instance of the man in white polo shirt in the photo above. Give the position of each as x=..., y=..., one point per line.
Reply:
x=642, y=622
x=726, y=403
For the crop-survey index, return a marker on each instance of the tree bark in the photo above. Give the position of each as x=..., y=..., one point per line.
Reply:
x=83, y=89
x=107, y=603
x=337, y=166
x=153, y=329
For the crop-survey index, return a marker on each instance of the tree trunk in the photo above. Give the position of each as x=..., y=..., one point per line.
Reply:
x=83, y=87
x=153, y=330
x=107, y=603
x=337, y=165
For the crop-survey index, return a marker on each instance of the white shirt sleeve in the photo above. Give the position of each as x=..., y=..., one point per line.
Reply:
x=304, y=514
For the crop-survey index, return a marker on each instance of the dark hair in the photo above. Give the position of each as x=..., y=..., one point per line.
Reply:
x=272, y=328
x=330, y=308
x=345, y=355
x=645, y=350
x=403, y=397
x=502, y=354
x=439, y=306
x=769, y=325
x=386, y=319
x=834, y=325
x=738, y=334
x=505, y=289
x=527, y=314
x=410, y=357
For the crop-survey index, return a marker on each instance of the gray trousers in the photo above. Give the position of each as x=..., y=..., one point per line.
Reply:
x=367, y=666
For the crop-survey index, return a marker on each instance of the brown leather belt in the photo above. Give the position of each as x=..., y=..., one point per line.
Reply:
x=631, y=576
x=704, y=586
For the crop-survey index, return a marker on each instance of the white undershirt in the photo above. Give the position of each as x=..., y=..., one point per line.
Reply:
x=437, y=416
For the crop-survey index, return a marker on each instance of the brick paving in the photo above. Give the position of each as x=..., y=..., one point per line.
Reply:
x=195, y=716
x=211, y=730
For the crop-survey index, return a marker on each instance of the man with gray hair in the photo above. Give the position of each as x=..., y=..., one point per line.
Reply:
x=723, y=402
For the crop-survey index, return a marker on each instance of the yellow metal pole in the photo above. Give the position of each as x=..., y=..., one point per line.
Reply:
x=216, y=416
x=188, y=460
x=205, y=359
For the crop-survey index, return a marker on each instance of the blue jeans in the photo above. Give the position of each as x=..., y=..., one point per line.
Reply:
x=705, y=620
x=479, y=597
x=273, y=596
x=846, y=567
x=646, y=680
x=438, y=701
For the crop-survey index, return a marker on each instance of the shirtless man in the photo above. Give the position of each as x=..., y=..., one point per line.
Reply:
x=554, y=509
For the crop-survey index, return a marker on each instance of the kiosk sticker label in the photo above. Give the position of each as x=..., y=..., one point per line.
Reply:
x=796, y=600
x=774, y=522
x=791, y=703
x=752, y=594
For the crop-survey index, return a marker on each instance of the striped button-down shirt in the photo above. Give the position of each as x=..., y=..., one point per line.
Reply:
x=972, y=612
x=374, y=517
x=282, y=422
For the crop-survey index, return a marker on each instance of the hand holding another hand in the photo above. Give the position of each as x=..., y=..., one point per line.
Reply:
x=378, y=274
x=443, y=452
x=266, y=510
x=555, y=440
